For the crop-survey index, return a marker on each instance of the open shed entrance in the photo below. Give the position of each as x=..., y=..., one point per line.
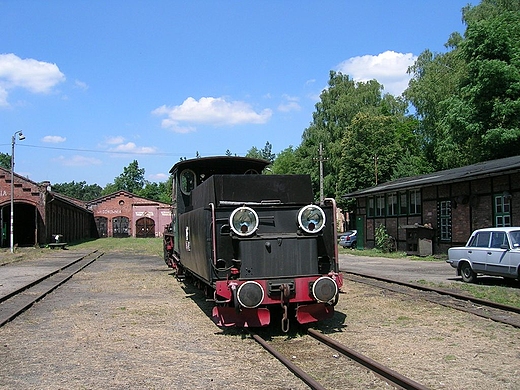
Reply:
x=25, y=232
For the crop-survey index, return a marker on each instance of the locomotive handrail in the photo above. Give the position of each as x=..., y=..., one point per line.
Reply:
x=335, y=229
x=235, y=203
x=214, y=234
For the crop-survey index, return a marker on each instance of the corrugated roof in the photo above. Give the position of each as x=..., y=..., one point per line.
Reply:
x=469, y=172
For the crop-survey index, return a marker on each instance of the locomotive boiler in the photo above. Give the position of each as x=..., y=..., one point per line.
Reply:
x=257, y=243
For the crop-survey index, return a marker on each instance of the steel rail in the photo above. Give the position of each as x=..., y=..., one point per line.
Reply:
x=379, y=369
x=311, y=382
x=463, y=297
x=26, y=296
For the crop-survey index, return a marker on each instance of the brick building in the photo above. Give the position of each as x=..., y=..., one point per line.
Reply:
x=123, y=214
x=40, y=213
x=441, y=208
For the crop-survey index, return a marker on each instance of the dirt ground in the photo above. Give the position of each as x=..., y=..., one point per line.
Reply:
x=125, y=323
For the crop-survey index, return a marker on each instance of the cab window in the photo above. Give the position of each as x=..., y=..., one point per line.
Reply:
x=187, y=181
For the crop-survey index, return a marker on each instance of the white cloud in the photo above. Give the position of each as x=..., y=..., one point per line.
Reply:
x=131, y=147
x=160, y=177
x=30, y=74
x=77, y=161
x=212, y=111
x=81, y=85
x=388, y=68
x=289, y=104
x=115, y=140
x=53, y=139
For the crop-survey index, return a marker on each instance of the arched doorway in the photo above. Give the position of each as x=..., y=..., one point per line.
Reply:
x=26, y=220
x=120, y=227
x=145, y=227
x=102, y=226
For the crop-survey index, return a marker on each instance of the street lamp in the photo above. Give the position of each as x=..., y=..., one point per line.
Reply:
x=21, y=137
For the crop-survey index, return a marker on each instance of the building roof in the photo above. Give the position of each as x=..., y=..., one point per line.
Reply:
x=138, y=200
x=469, y=172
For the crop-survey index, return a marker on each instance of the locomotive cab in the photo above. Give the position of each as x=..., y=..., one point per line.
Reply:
x=257, y=241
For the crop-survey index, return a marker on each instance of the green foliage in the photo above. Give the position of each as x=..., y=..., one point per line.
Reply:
x=339, y=105
x=264, y=154
x=5, y=160
x=80, y=190
x=161, y=192
x=285, y=162
x=383, y=241
x=468, y=99
x=131, y=180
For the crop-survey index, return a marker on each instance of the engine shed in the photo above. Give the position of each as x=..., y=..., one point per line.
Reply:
x=40, y=213
x=123, y=214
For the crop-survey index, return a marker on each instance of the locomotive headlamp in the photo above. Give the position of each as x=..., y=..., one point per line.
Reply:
x=250, y=294
x=311, y=219
x=244, y=221
x=324, y=289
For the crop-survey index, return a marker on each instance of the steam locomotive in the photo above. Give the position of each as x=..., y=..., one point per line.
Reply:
x=255, y=242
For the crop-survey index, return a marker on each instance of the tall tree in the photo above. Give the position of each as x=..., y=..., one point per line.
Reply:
x=131, y=180
x=468, y=99
x=339, y=104
x=5, y=160
x=485, y=119
x=263, y=154
x=78, y=190
x=435, y=80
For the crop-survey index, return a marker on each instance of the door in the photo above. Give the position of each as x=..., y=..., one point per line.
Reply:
x=120, y=227
x=102, y=226
x=145, y=227
x=497, y=259
x=478, y=251
x=360, y=227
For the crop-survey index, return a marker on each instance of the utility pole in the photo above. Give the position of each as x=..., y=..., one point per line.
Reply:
x=321, y=159
x=375, y=165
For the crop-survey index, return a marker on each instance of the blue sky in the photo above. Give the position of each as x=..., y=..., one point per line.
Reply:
x=94, y=84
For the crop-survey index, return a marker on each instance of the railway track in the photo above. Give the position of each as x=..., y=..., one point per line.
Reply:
x=16, y=302
x=385, y=373
x=505, y=314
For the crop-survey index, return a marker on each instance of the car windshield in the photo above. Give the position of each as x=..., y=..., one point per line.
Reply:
x=515, y=238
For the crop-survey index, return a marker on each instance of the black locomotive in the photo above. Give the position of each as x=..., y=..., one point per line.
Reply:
x=255, y=242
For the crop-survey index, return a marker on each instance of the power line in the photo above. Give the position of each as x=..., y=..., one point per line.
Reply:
x=100, y=151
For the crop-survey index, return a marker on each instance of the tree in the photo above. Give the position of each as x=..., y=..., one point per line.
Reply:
x=468, y=99
x=5, y=160
x=80, y=190
x=485, y=118
x=131, y=180
x=264, y=154
x=285, y=162
x=435, y=80
x=370, y=152
x=339, y=104
x=161, y=192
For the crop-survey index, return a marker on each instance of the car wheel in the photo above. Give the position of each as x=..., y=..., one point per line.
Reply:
x=468, y=275
x=354, y=245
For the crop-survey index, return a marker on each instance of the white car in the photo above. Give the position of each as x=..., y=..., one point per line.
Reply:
x=491, y=251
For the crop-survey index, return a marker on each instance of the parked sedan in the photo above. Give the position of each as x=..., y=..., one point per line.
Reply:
x=491, y=251
x=348, y=239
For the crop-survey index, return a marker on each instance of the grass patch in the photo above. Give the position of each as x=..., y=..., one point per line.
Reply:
x=146, y=246
x=389, y=255
x=507, y=293
x=501, y=294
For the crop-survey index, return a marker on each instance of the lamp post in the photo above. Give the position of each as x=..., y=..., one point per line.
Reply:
x=21, y=137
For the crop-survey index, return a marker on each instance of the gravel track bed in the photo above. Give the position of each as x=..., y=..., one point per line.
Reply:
x=126, y=323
